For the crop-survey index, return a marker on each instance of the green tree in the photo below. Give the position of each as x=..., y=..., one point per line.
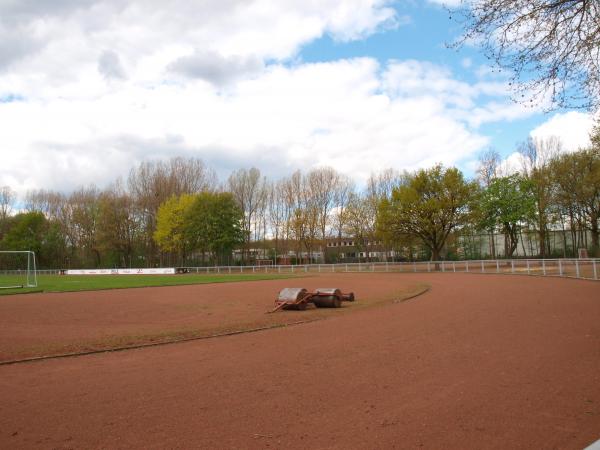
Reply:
x=26, y=232
x=32, y=231
x=171, y=225
x=577, y=179
x=429, y=205
x=54, y=249
x=507, y=202
x=154, y=182
x=214, y=224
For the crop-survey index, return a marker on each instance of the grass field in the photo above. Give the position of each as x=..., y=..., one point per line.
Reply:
x=70, y=283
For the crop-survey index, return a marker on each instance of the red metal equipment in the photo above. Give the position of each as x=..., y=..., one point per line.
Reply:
x=299, y=298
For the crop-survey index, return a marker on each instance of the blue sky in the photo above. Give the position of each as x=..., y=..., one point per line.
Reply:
x=423, y=35
x=90, y=89
x=423, y=29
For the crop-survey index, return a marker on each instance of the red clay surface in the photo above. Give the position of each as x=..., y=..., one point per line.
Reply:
x=35, y=325
x=480, y=361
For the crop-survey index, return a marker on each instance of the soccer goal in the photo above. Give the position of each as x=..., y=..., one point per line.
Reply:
x=17, y=269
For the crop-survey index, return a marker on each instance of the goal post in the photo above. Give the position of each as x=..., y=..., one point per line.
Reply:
x=17, y=269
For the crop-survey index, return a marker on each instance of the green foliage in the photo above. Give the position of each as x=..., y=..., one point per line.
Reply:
x=577, y=190
x=213, y=223
x=207, y=222
x=171, y=225
x=429, y=205
x=26, y=232
x=32, y=231
x=507, y=199
x=417, y=215
x=53, y=246
x=507, y=202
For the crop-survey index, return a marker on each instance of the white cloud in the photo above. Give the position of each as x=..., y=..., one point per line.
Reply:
x=337, y=113
x=109, y=65
x=449, y=3
x=573, y=129
x=51, y=48
x=103, y=90
x=513, y=163
x=215, y=68
x=139, y=29
x=476, y=104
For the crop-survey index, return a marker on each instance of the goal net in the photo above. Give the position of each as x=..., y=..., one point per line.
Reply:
x=17, y=269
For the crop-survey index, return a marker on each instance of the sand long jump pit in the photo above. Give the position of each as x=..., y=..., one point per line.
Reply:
x=478, y=361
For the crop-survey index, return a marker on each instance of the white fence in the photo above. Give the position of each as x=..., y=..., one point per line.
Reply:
x=575, y=268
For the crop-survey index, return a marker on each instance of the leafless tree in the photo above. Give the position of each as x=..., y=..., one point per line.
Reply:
x=360, y=222
x=249, y=189
x=488, y=170
x=44, y=201
x=488, y=166
x=191, y=175
x=7, y=199
x=380, y=186
x=278, y=216
x=152, y=183
x=323, y=184
x=552, y=47
x=303, y=224
x=595, y=134
x=118, y=225
x=85, y=212
x=537, y=153
x=344, y=191
x=536, y=156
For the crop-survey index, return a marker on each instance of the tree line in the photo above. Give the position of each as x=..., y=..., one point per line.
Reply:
x=177, y=212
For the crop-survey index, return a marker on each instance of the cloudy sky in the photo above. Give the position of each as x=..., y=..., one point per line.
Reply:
x=90, y=88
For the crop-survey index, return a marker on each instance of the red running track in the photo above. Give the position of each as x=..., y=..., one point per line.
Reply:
x=480, y=361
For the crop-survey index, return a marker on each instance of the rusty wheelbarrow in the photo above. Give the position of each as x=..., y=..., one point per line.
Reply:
x=299, y=298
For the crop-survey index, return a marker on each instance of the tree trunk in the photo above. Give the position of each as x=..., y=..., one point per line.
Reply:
x=435, y=256
x=96, y=257
x=493, y=244
x=523, y=243
x=542, y=239
x=595, y=236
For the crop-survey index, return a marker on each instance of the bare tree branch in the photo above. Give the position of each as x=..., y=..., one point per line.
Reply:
x=552, y=47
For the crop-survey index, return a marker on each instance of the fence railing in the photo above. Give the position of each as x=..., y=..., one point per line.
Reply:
x=588, y=269
x=575, y=268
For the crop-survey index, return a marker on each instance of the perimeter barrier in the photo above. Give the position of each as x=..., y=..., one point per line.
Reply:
x=588, y=269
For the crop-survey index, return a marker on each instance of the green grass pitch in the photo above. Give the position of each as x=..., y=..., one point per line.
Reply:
x=70, y=283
